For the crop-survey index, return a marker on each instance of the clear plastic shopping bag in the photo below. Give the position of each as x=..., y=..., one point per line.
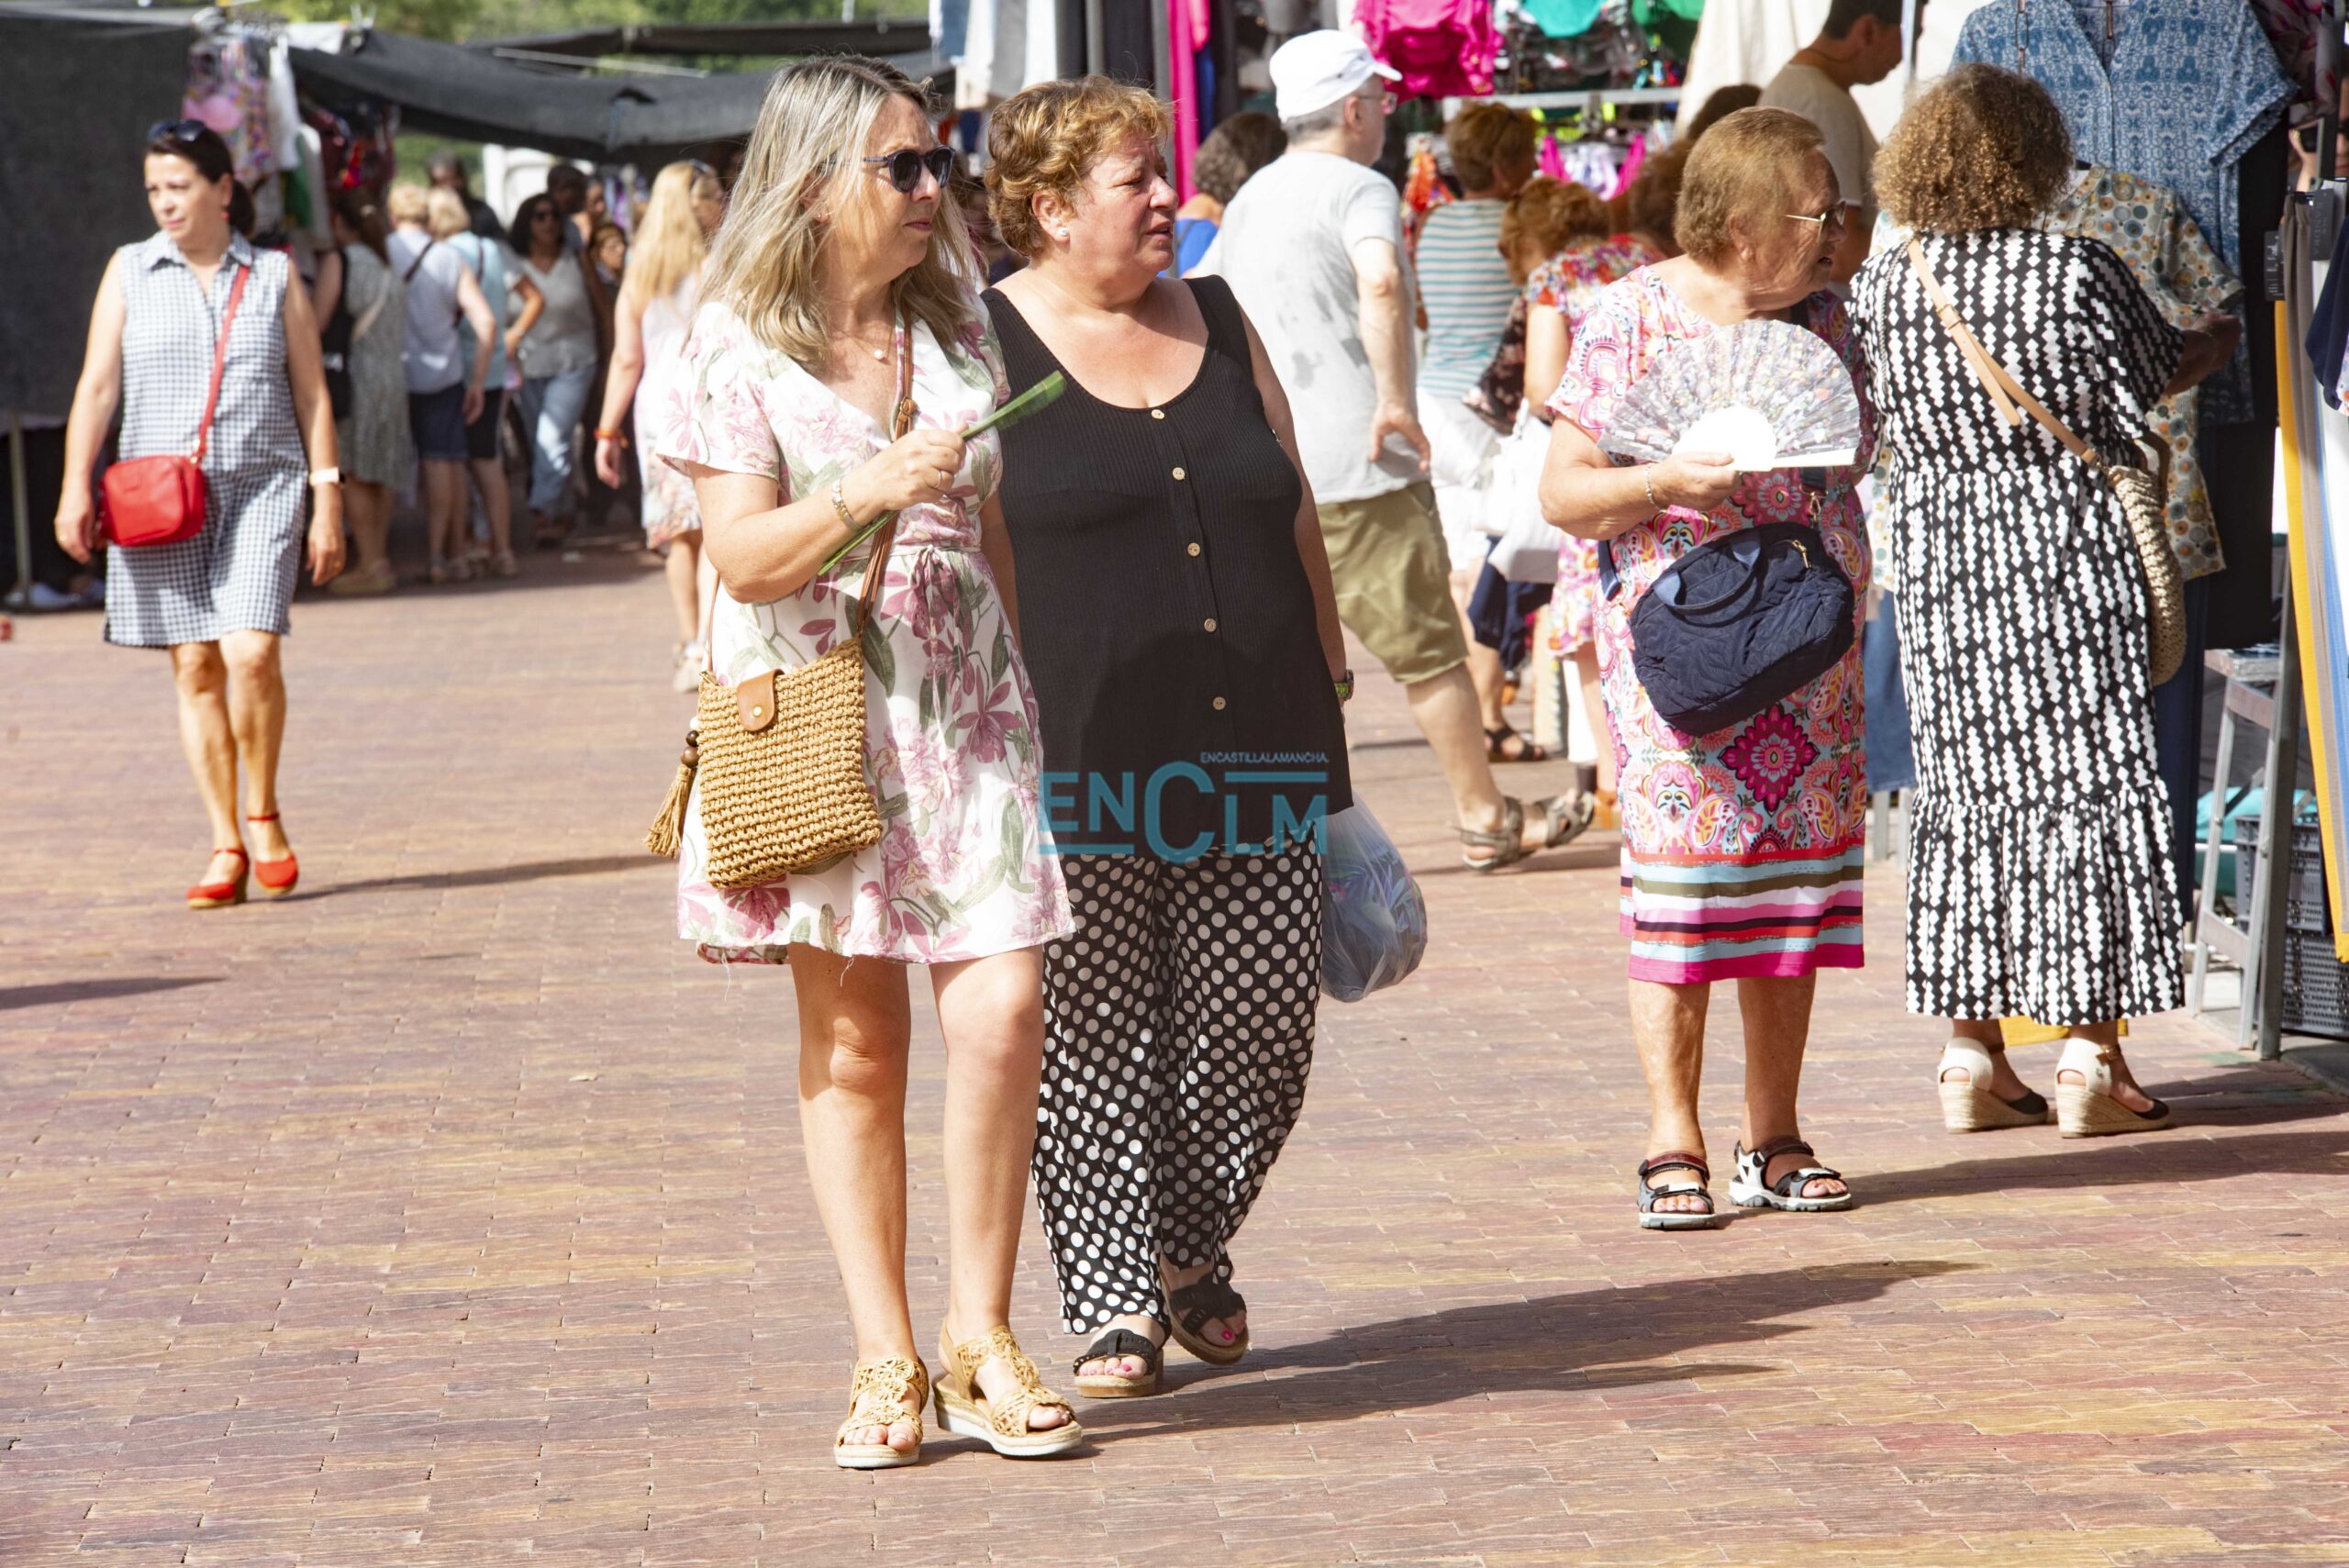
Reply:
x=1374, y=922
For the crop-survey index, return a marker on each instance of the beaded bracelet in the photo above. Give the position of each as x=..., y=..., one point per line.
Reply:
x=1648, y=484
x=839, y=506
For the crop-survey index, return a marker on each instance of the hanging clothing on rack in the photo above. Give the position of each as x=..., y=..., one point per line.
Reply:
x=2291, y=26
x=2192, y=86
x=1444, y=49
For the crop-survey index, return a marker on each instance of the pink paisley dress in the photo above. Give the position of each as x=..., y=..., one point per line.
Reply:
x=1570, y=284
x=950, y=744
x=1742, y=849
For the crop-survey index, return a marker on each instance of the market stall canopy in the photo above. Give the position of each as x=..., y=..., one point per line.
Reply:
x=882, y=36
x=472, y=96
x=79, y=87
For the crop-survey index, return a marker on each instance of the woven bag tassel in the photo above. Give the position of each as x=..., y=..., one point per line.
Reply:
x=667, y=832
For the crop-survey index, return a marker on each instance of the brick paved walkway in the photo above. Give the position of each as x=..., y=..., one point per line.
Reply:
x=451, y=1214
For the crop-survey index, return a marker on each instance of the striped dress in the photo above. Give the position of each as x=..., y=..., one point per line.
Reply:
x=238, y=575
x=1742, y=849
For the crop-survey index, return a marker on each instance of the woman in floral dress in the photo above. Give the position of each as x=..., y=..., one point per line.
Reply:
x=836, y=250
x=1742, y=849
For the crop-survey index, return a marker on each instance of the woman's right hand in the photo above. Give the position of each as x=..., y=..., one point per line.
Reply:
x=607, y=461
x=1697, y=481
x=77, y=523
x=916, y=469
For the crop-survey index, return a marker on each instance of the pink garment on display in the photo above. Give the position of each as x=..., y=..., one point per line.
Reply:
x=1630, y=168
x=1553, y=157
x=1443, y=48
x=1183, y=45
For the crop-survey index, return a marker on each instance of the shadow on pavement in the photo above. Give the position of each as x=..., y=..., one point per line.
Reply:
x=491, y=876
x=1592, y=1339
x=58, y=991
x=2139, y=1160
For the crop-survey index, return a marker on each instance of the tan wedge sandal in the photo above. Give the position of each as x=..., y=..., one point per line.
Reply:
x=1969, y=1104
x=964, y=1409
x=885, y=1392
x=2089, y=1109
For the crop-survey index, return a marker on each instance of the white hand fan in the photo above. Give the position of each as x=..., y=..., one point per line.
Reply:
x=1768, y=393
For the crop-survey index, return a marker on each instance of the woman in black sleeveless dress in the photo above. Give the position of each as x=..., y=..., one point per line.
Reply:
x=1175, y=615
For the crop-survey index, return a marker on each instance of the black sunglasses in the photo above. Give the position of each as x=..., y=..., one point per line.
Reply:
x=905, y=166
x=177, y=130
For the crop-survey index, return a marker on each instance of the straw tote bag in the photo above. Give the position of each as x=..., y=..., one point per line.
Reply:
x=780, y=757
x=2141, y=492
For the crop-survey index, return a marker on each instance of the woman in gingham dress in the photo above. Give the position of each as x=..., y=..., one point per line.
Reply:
x=218, y=601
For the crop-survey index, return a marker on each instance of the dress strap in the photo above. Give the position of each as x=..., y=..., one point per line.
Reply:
x=1226, y=329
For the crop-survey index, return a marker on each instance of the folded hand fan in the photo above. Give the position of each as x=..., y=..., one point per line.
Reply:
x=1768, y=393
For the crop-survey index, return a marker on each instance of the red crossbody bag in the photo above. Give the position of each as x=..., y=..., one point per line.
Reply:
x=161, y=499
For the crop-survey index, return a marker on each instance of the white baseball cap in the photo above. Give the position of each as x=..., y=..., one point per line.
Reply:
x=1313, y=71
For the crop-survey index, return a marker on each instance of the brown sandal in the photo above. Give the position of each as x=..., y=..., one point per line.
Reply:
x=964, y=1409
x=1565, y=818
x=896, y=1383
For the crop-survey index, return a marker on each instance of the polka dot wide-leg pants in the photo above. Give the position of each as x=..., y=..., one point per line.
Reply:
x=1179, y=1029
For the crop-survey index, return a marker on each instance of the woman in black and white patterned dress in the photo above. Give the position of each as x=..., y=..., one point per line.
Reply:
x=219, y=601
x=2040, y=880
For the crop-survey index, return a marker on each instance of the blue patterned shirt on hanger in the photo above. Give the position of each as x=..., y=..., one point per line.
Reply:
x=2193, y=85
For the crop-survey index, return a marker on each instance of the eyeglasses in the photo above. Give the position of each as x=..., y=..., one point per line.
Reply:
x=905, y=166
x=1385, y=100
x=177, y=130
x=1837, y=217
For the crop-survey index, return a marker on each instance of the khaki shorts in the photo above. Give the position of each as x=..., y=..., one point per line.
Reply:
x=1392, y=573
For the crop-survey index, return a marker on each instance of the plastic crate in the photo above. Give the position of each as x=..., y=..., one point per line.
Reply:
x=2305, y=908
x=2316, y=986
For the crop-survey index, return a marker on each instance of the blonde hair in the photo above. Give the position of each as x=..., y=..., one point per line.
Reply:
x=408, y=202
x=1047, y=138
x=670, y=244
x=445, y=214
x=1483, y=138
x=1743, y=171
x=810, y=136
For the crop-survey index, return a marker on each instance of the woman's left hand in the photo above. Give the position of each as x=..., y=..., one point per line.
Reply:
x=326, y=546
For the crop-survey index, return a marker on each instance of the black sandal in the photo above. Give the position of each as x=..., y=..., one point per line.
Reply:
x=1112, y=1344
x=1193, y=1305
x=1497, y=746
x=1654, y=1218
x=1565, y=818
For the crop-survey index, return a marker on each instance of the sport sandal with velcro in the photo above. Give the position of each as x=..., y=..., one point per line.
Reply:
x=1748, y=1190
x=1654, y=1218
x=964, y=1409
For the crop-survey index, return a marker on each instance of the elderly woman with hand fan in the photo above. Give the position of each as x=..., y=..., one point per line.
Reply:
x=1741, y=848
x=1177, y=617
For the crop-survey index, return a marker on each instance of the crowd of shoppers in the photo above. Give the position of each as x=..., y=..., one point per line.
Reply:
x=1157, y=570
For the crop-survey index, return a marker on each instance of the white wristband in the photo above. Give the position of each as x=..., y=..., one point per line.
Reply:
x=325, y=476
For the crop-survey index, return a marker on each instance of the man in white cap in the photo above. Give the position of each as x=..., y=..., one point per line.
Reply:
x=1313, y=246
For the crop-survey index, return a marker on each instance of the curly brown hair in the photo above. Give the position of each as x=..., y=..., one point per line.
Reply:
x=1485, y=138
x=1983, y=148
x=1236, y=150
x=1647, y=208
x=1545, y=217
x=1047, y=138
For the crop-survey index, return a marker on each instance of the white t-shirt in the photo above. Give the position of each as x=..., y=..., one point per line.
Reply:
x=1851, y=146
x=431, y=354
x=1286, y=249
